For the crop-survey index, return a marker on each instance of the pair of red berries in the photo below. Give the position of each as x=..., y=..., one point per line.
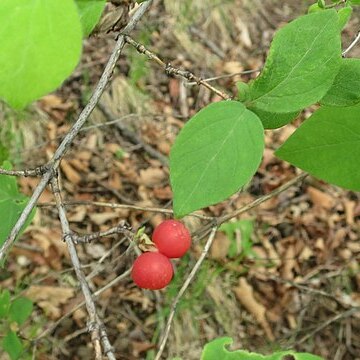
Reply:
x=153, y=270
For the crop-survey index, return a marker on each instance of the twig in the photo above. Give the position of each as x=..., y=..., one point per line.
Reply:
x=115, y=192
x=207, y=42
x=65, y=144
x=327, y=323
x=95, y=323
x=306, y=288
x=105, y=77
x=134, y=138
x=357, y=38
x=108, y=349
x=95, y=295
x=111, y=122
x=112, y=265
x=170, y=70
x=245, y=72
x=262, y=199
x=74, y=335
x=125, y=206
x=220, y=220
x=96, y=328
x=38, y=171
x=83, y=129
x=119, y=229
x=182, y=291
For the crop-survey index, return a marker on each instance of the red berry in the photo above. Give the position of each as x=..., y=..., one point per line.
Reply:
x=172, y=238
x=152, y=270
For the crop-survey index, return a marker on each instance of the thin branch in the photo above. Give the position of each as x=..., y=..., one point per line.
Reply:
x=81, y=304
x=111, y=122
x=65, y=144
x=124, y=206
x=170, y=70
x=220, y=220
x=262, y=199
x=90, y=127
x=85, y=128
x=113, y=191
x=303, y=287
x=207, y=42
x=108, y=349
x=112, y=264
x=105, y=77
x=39, y=171
x=95, y=323
x=119, y=229
x=357, y=38
x=326, y=323
x=214, y=78
x=96, y=328
x=133, y=137
x=74, y=335
x=182, y=291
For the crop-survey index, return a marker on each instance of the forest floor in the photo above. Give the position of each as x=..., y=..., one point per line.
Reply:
x=283, y=275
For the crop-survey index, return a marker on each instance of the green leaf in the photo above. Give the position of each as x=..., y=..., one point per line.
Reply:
x=217, y=152
x=12, y=203
x=354, y=2
x=321, y=4
x=4, y=303
x=243, y=91
x=314, y=8
x=20, y=310
x=40, y=42
x=272, y=120
x=303, y=61
x=216, y=350
x=8, y=185
x=327, y=145
x=90, y=12
x=12, y=345
x=344, y=16
x=345, y=90
x=10, y=211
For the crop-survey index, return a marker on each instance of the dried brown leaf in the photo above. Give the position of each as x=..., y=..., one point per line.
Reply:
x=320, y=198
x=70, y=173
x=289, y=263
x=152, y=176
x=77, y=213
x=245, y=294
x=50, y=298
x=102, y=218
x=220, y=246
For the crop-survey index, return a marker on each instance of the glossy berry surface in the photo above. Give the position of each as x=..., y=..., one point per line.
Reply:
x=152, y=270
x=172, y=238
